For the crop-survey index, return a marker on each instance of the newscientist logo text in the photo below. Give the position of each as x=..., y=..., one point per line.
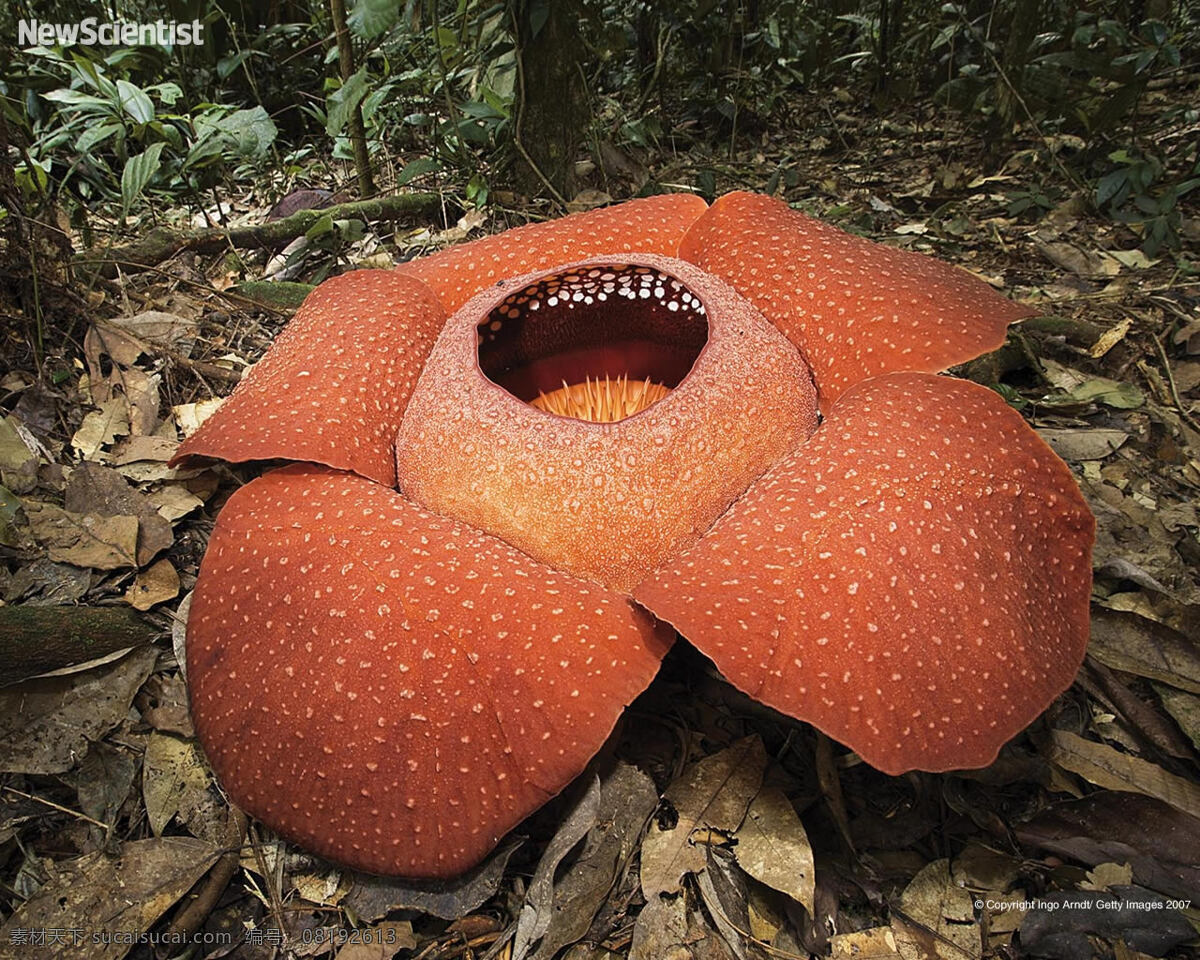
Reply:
x=92, y=31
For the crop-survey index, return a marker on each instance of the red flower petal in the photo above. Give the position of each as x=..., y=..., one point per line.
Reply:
x=914, y=580
x=650, y=225
x=389, y=688
x=854, y=308
x=333, y=386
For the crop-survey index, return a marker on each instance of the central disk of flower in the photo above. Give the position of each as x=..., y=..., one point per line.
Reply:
x=601, y=416
x=601, y=344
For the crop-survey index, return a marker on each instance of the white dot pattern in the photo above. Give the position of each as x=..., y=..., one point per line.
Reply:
x=914, y=580
x=334, y=385
x=853, y=307
x=389, y=688
x=650, y=225
x=605, y=501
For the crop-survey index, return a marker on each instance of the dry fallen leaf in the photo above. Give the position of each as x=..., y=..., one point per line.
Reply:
x=47, y=724
x=1109, y=768
x=155, y=585
x=174, y=780
x=661, y=926
x=876, y=943
x=174, y=501
x=773, y=848
x=1090, y=444
x=380, y=942
x=944, y=916
x=712, y=793
x=99, y=893
x=189, y=416
x=1137, y=645
x=101, y=427
x=85, y=540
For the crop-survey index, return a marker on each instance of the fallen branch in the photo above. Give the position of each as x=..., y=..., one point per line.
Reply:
x=162, y=243
x=34, y=640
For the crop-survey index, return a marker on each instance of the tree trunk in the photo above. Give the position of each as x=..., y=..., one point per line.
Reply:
x=552, y=114
x=358, y=135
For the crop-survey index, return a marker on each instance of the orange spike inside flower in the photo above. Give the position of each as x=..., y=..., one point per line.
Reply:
x=602, y=400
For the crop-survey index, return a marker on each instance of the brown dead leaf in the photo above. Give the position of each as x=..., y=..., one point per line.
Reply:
x=1110, y=338
x=156, y=449
x=877, y=943
x=158, y=583
x=937, y=918
x=627, y=801
x=373, y=897
x=174, y=780
x=101, y=490
x=722, y=889
x=660, y=928
x=160, y=328
x=713, y=794
x=163, y=702
x=120, y=347
x=773, y=848
x=141, y=390
x=380, y=942
x=99, y=892
x=101, y=427
x=588, y=199
x=174, y=501
x=85, y=540
x=1092, y=264
x=1107, y=767
x=1159, y=842
x=1137, y=645
x=189, y=416
x=46, y=724
x=1090, y=444
x=1184, y=709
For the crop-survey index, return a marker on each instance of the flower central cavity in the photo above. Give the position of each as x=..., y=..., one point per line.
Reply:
x=598, y=344
x=600, y=416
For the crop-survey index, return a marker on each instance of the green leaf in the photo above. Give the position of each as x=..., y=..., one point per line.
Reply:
x=248, y=134
x=370, y=18
x=84, y=102
x=135, y=102
x=167, y=92
x=227, y=65
x=1112, y=393
x=323, y=226
x=137, y=173
x=341, y=103
x=96, y=134
x=1108, y=186
x=417, y=168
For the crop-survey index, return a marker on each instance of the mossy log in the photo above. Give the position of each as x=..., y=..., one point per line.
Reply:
x=162, y=243
x=35, y=640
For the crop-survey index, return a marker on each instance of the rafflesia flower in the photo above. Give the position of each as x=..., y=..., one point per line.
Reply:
x=724, y=420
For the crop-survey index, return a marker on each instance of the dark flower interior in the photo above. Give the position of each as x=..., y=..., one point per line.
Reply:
x=618, y=321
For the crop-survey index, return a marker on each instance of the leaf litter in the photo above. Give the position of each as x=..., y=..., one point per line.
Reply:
x=721, y=829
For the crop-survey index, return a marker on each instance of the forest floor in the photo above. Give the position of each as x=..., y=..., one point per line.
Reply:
x=1094, y=809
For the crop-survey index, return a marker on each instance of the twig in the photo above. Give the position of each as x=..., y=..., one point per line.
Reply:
x=61, y=809
x=1171, y=385
x=188, y=920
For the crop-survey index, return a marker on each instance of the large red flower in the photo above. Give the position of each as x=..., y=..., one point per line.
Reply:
x=404, y=643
